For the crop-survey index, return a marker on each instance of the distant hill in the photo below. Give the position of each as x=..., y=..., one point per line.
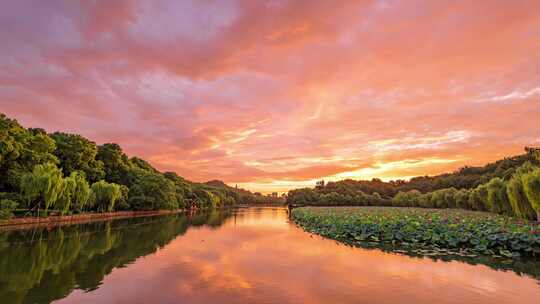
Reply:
x=247, y=196
x=217, y=183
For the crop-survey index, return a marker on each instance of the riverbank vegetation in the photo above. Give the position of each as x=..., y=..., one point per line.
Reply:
x=61, y=173
x=424, y=231
x=509, y=187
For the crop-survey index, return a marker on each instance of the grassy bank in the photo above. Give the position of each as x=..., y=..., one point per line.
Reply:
x=54, y=220
x=424, y=231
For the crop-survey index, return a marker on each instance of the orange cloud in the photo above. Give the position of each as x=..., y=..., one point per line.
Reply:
x=278, y=94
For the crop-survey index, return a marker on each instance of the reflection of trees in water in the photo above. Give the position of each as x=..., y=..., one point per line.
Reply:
x=43, y=265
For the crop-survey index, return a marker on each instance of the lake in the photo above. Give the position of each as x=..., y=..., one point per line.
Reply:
x=247, y=255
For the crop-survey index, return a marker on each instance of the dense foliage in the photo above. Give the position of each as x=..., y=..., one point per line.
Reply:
x=511, y=187
x=425, y=231
x=67, y=173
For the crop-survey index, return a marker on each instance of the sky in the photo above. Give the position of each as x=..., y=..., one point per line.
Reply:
x=274, y=95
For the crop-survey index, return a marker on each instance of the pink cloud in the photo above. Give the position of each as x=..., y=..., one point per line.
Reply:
x=266, y=91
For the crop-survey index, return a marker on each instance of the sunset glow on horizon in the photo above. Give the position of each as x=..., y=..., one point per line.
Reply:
x=275, y=95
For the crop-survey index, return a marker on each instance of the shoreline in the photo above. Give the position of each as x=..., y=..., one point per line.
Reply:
x=59, y=220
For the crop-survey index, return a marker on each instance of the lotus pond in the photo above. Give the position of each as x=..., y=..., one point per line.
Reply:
x=429, y=232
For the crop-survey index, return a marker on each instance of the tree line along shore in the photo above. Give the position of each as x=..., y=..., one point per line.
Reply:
x=62, y=174
x=510, y=186
x=58, y=173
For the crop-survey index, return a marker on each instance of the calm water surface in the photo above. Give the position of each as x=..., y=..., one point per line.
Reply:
x=245, y=256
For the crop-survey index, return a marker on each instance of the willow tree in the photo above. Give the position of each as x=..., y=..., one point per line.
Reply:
x=44, y=186
x=424, y=200
x=407, y=199
x=104, y=195
x=531, y=186
x=478, y=198
x=65, y=197
x=516, y=193
x=437, y=199
x=518, y=199
x=81, y=193
x=461, y=198
x=497, y=199
x=400, y=199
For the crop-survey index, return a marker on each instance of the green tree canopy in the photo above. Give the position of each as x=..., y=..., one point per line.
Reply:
x=104, y=195
x=81, y=193
x=44, y=185
x=153, y=191
x=116, y=163
x=516, y=193
x=497, y=199
x=20, y=150
x=78, y=153
x=531, y=186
